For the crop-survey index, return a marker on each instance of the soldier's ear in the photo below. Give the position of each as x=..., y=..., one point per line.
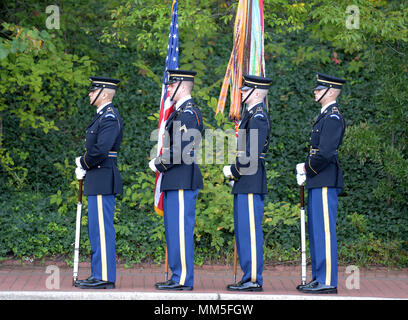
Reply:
x=105, y=95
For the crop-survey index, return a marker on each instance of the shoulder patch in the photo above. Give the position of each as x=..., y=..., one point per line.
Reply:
x=334, y=116
x=259, y=115
x=188, y=110
x=110, y=115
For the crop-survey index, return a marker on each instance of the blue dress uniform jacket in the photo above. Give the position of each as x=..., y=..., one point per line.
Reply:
x=252, y=181
x=182, y=134
x=103, y=138
x=322, y=164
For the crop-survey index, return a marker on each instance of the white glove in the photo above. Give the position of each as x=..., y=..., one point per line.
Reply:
x=300, y=168
x=301, y=178
x=227, y=171
x=152, y=166
x=78, y=162
x=80, y=173
x=301, y=174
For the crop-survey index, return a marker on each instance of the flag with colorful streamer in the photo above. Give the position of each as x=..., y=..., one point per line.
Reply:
x=247, y=56
x=166, y=105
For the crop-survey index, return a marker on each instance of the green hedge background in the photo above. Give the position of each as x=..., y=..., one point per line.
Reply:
x=44, y=111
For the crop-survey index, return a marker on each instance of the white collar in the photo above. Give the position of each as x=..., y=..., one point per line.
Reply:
x=102, y=106
x=250, y=107
x=182, y=100
x=327, y=105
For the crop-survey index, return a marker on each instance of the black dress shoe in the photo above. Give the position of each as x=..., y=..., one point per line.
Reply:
x=301, y=286
x=247, y=286
x=96, y=284
x=319, y=288
x=165, y=283
x=171, y=285
x=79, y=282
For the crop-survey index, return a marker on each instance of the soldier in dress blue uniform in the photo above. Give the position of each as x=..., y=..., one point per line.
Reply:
x=250, y=185
x=181, y=180
x=102, y=182
x=324, y=182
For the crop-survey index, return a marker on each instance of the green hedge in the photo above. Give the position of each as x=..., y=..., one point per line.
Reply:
x=38, y=190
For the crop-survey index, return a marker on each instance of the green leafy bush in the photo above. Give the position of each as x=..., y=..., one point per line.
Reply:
x=44, y=113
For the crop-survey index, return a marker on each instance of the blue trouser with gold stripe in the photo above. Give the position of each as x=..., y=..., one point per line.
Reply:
x=179, y=219
x=101, y=210
x=248, y=214
x=322, y=214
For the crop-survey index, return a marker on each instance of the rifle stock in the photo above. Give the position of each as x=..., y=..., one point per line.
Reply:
x=77, y=233
x=303, y=234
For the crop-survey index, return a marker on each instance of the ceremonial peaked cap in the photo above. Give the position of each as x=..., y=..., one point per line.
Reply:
x=255, y=82
x=180, y=75
x=325, y=81
x=102, y=82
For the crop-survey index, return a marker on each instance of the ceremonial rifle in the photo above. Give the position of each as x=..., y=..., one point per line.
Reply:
x=303, y=234
x=77, y=233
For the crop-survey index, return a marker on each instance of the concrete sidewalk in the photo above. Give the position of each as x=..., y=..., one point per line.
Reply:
x=54, y=281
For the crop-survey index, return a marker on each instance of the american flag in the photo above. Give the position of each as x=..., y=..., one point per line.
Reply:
x=166, y=106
